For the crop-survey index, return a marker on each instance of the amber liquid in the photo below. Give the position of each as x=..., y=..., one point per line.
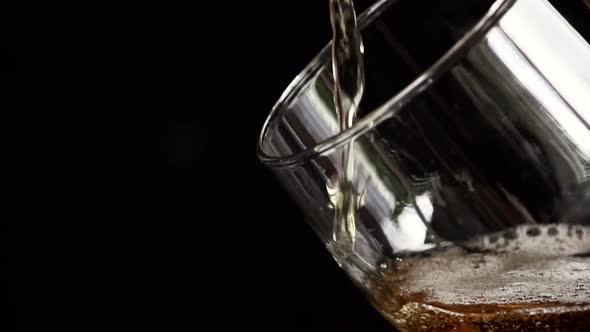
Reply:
x=534, y=279
x=349, y=79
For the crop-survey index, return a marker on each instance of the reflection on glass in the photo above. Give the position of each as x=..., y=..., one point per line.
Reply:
x=470, y=158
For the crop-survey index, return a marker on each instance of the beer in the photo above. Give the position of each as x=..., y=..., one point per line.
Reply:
x=529, y=278
x=349, y=81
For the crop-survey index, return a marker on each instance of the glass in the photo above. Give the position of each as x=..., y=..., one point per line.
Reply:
x=471, y=163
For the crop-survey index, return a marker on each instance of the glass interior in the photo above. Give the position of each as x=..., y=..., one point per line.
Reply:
x=471, y=191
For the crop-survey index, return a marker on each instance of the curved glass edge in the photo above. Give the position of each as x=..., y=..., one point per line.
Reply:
x=390, y=108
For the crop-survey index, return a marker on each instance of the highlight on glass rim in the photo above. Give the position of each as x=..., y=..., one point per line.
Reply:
x=441, y=152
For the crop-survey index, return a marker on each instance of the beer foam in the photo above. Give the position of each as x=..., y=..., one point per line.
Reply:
x=544, y=240
x=525, y=265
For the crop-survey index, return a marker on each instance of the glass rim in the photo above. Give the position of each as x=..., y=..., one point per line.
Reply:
x=389, y=108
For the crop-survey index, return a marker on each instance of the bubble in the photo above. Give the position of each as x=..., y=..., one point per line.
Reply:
x=533, y=232
x=531, y=269
x=494, y=238
x=510, y=234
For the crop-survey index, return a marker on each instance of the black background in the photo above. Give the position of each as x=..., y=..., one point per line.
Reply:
x=132, y=178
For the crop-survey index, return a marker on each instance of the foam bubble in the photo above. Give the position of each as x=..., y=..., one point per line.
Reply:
x=546, y=240
x=528, y=264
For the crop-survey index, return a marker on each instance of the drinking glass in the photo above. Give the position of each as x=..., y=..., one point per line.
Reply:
x=471, y=163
